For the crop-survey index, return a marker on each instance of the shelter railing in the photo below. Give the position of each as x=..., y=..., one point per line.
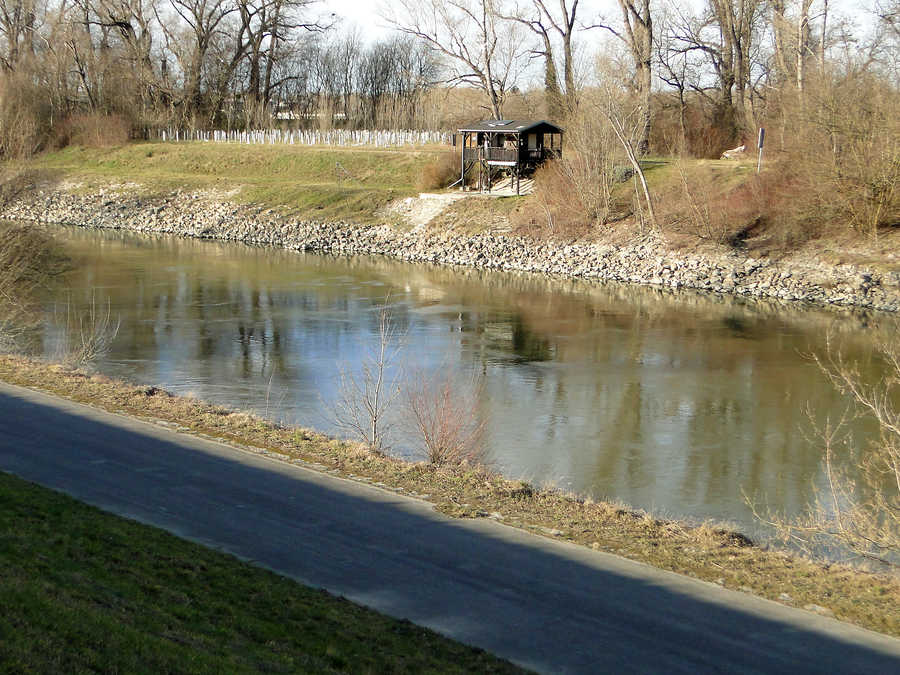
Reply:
x=492, y=154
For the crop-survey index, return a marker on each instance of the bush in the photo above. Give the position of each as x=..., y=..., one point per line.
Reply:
x=557, y=208
x=576, y=192
x=701, y=200
x=24, y=117
x=441, y=172
x=93, y=130
x=708, y=130
x=730, y=207
x=841, y=149
x=444, y=416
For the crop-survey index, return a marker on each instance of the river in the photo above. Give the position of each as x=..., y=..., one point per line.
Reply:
x=676, y=402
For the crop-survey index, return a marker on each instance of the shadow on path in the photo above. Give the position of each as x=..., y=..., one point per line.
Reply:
x=544, y=604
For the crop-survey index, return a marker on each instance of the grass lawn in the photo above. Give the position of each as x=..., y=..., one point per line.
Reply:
x=325, y=182
x=86, y=591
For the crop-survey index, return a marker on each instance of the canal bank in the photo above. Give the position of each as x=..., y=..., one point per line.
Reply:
x=647, y=260
x=724, y=558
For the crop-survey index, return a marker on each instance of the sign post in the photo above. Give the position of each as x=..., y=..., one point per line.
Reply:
x=759, y=147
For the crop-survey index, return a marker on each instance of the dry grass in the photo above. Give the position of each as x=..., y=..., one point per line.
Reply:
x=440, y=172
x=706, y=552
x=92, y=131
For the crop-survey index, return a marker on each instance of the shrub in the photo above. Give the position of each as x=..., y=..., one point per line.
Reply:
x=708, y=130
x=698, y=200
x=728, y=206
x=445, y=418
x=557, y=209
x=577, y=192
x=441, y=172
x=842, y=150
x=93, y=130
x=24, y=117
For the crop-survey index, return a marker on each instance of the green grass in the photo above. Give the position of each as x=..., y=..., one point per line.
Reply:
x=85, y=591
x=325, y=183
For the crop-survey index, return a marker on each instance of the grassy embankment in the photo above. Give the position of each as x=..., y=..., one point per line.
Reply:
x=321, y=182
x=705, y=552
x=719, y=203
x=86, y=591
x=335, y=183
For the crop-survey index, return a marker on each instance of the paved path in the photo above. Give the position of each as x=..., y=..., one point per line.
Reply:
x=548, y=605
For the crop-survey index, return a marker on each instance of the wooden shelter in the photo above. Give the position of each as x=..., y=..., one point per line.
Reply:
x=516, y=145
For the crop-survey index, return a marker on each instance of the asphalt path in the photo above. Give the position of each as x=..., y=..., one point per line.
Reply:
x=544, y=604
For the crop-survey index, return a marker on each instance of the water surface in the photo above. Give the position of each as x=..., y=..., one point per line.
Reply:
x=675, y=402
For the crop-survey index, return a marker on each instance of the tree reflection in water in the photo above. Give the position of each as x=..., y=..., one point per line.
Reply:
x=668, y=401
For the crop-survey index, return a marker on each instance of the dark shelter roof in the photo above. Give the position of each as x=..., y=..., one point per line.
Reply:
x=511, y=127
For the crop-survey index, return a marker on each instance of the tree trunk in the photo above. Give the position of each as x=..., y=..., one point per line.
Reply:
x=779, y=28
x=802, y=43
x=551, y=82
x=644, y=82
x=569, y=74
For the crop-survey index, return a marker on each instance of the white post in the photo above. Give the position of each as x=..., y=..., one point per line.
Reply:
x=759, y=147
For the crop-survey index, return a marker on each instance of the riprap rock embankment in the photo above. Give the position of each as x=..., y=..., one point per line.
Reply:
x=208, y=215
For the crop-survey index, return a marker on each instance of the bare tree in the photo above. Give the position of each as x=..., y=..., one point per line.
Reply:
x=365, y=400
x=17, y=27
x=267, y=24
x=862, y=515
x=626, y=119
x=726, y=33
x=637, y=34
x=794, y=40
x=802, y=42
x=889, y=14
x=484, y=50
x=203, y=19
x=781, y=38
x=547, y=24
x=674, y=68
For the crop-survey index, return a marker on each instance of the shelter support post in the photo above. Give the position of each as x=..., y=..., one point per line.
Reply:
x=462, y=162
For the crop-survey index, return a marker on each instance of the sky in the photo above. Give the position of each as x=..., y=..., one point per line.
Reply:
x=367, y=15
x=365, y=12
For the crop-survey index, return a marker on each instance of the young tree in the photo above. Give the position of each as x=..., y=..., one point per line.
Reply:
x=860, y=516
x=623, y=112
x=365, y=400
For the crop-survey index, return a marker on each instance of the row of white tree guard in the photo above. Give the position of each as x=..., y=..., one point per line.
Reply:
x=338, y=137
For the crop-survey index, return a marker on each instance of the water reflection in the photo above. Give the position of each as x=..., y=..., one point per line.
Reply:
x=671, y=401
